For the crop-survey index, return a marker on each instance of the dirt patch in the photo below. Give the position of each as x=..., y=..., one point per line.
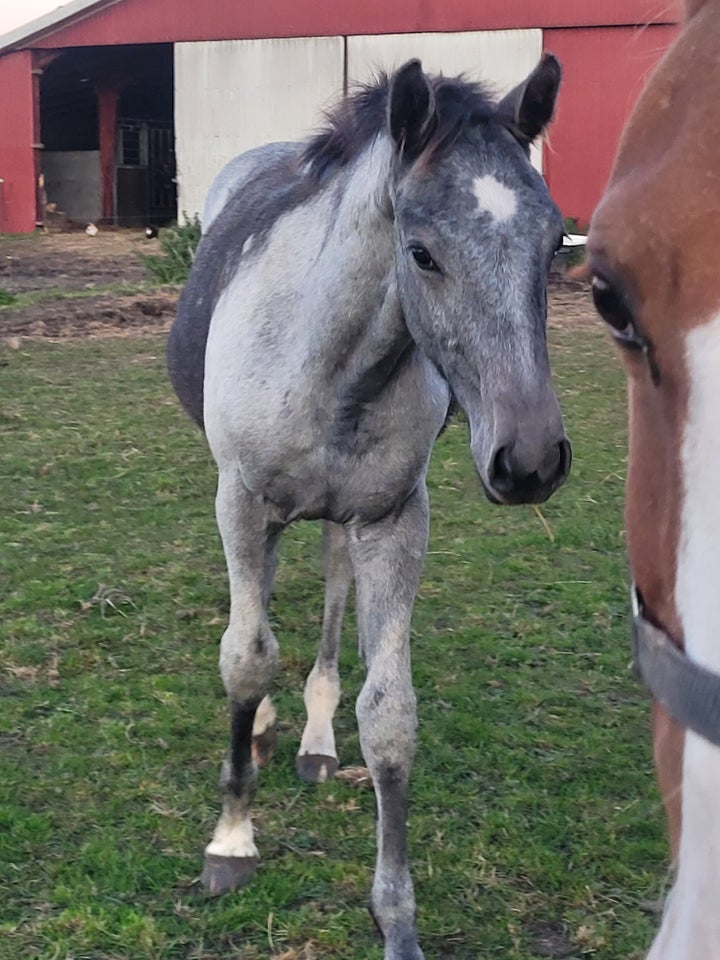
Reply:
x=101, y=316
x=63, y=270
x=549, y=939
x=73, y=261
x=74, y=264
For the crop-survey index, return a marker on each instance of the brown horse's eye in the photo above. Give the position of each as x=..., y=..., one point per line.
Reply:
x=614, y=310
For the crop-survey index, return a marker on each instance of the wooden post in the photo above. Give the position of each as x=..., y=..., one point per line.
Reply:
x=107, y=120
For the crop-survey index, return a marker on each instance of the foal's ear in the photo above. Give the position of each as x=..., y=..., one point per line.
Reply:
x=411, y=109
x=527, y=109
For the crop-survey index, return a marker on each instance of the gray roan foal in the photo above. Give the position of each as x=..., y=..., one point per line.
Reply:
x=344, y=290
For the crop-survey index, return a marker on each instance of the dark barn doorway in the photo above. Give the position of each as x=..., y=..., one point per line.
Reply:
x=107, y=127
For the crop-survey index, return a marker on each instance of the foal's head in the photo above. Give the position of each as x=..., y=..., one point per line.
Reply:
x=475, y=233
x=652, y=254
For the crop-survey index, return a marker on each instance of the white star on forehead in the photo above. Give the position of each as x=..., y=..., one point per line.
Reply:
x=495, y=198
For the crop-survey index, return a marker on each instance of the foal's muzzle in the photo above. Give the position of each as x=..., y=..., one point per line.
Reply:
x=514, y=479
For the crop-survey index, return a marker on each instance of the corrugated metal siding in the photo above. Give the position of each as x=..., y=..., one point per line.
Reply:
x=604, y=71
x=501, y=58
x=17, y=161
x=161, y=21
x=234, y=95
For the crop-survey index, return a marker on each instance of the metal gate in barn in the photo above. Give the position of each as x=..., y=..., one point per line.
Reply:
x=145, y=175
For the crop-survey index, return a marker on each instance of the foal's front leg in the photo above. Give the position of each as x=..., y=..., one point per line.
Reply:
x=248, y=661
x=317, y=758
x=387, y=559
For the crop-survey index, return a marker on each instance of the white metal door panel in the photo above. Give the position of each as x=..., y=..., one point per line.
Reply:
x=232, y=95
x=500, y=58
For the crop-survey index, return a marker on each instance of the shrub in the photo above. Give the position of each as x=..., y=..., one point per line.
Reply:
x=572, y=225
x=178, y=245
x=573, y=256
x=6, y=298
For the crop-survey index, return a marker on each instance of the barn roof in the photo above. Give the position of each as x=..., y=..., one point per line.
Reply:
x=75, y=9
x=102, y=22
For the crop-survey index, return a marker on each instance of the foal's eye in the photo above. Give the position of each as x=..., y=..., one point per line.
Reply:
x=421, y=257
x=615, y=312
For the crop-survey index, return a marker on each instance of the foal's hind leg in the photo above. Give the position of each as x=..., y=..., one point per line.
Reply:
x=317, y=758
x=248, y=661
x=387, y=559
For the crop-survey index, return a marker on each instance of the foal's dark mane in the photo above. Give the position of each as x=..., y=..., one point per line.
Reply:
x=462, y=105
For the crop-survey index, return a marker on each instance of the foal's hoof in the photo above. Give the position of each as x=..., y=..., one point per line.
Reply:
x=222, y=874
x=263, y=746
x=315, y=768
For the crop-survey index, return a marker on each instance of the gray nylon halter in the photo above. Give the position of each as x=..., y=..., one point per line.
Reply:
x=689, y=692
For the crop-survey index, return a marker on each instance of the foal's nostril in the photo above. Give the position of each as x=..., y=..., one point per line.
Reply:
x=516, y=481
x=565, y=460
x=506, y=474
x=549, y=466
x=501, y=471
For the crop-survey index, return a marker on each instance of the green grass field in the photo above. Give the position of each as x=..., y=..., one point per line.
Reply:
x=535, y=829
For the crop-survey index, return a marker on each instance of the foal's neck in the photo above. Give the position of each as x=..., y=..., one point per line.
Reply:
x=366, y=330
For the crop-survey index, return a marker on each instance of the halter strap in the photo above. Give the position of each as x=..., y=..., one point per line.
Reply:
x=689, y=692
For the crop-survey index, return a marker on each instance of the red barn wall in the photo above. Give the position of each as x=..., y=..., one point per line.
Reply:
x=165, y=21
x=17, y=158
x=604, y=70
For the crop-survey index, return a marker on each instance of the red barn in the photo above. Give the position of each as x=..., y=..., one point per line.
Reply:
x=123, y=110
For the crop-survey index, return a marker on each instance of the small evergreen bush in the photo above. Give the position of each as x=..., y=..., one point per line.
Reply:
x=178, y=245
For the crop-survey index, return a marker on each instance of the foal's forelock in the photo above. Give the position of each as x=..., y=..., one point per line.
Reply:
x=461, y=105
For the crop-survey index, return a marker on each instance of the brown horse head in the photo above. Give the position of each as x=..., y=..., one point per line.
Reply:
x=653, y=257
